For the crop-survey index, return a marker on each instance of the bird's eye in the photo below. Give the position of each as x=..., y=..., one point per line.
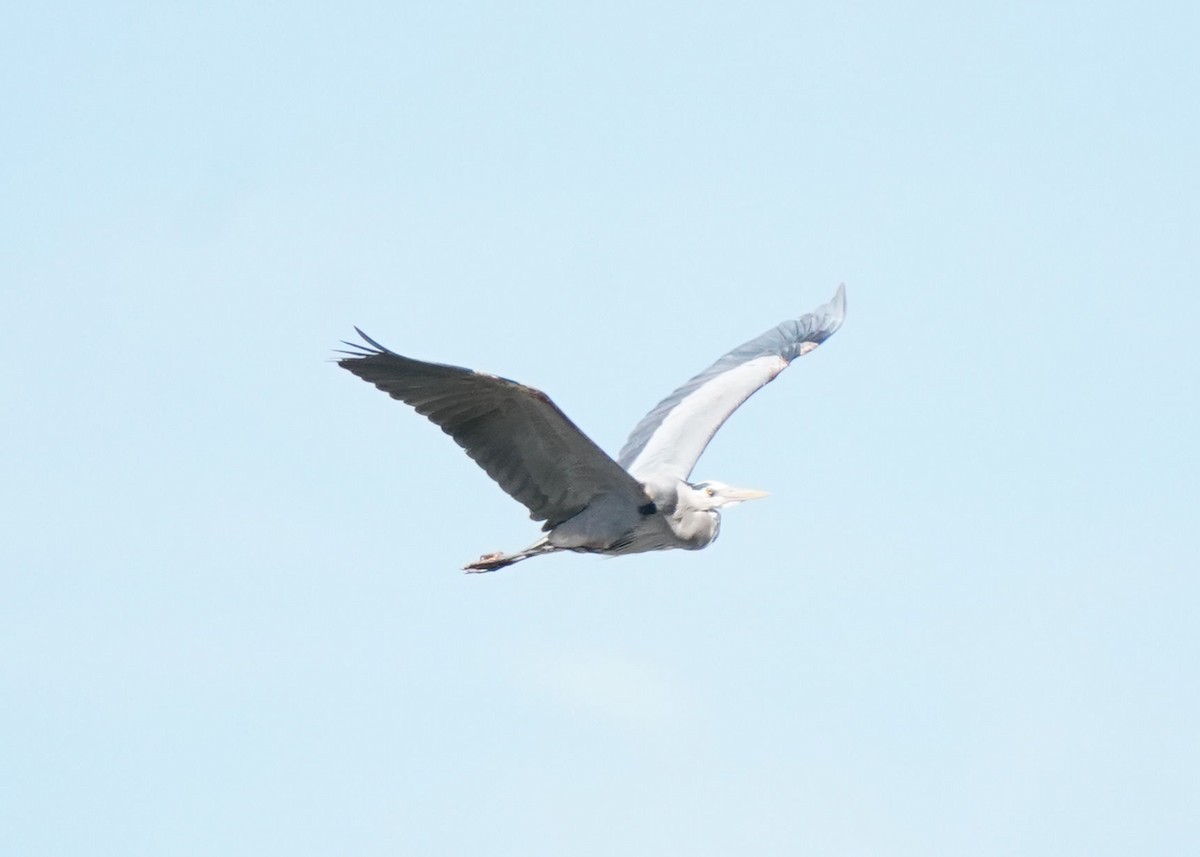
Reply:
x=710, y=491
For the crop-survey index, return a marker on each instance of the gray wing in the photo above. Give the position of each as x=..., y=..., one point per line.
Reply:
x=514, y=432
x=670, y=439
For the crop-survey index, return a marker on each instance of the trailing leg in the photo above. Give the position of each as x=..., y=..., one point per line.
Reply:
x=499, y=560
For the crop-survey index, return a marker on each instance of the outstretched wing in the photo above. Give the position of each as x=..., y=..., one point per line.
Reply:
x=514, y=432
x=669, y=440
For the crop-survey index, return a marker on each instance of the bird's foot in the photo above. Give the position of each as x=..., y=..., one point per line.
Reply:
x=489, y=562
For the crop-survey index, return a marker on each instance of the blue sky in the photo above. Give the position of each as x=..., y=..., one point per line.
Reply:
x=231, y=617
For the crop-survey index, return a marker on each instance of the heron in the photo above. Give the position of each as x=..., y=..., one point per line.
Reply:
x=589, y=502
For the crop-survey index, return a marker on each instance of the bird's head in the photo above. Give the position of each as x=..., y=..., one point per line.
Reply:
x=714, y=495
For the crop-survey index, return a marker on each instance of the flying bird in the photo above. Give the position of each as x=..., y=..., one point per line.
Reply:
x=589, y=502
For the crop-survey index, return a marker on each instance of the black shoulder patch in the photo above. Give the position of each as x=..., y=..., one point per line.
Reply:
x=647, y=510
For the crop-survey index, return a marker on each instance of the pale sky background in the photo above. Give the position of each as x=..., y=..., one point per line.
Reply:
x=965, y=621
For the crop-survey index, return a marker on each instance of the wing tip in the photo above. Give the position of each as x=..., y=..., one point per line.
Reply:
x=361, y=351
x=832, y=313
x=838, y=301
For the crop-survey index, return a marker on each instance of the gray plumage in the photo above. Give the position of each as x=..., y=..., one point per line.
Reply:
x=587, y=501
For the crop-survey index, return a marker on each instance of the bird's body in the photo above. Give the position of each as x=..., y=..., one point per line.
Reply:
x=590, y=503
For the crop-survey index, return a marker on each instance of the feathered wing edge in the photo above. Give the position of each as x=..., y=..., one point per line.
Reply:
x=515, y=433
x=669, y=440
